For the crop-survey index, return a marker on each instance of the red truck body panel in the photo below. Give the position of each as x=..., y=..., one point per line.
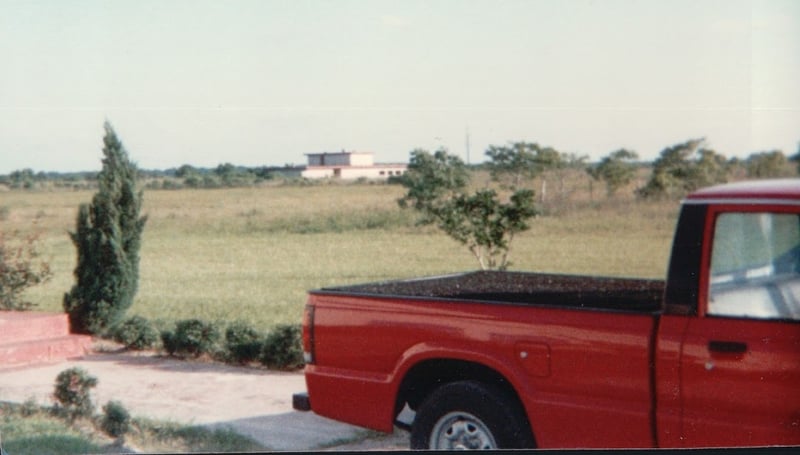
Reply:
x=696, y=373
x=761, y=387
x=373, y=342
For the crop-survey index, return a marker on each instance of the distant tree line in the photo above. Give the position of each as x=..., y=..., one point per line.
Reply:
x=678, y=169
x=29, y=179
x=186, y=176
x=225, y=175
x=487, y=219
x=690, y=165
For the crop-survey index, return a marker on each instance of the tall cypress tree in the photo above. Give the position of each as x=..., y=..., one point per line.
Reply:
x=108, y=238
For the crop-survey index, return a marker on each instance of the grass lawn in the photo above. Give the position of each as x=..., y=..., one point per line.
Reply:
x=252, y=253
x=28, y=430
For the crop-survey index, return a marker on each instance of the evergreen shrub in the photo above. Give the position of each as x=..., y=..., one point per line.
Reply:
x=243, y=343
x=108, y=239
x=168, y=342
x=191, y=337
x=283, y=348
x=73, y=393
x=116, y=421
x=136, y=333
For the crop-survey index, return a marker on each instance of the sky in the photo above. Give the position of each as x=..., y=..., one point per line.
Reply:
x=263, y=82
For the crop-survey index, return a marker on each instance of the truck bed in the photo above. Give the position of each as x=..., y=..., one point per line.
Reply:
x=522, y=288
x=540, y=332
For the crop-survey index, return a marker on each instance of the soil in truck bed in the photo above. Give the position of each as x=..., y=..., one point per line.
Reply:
x=574, y=291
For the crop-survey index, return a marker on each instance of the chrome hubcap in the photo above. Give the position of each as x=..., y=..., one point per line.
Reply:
x=461, y=431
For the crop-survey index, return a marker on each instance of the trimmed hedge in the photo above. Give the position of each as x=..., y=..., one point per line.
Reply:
x=281, y=348
x=192, y=337
x=243, y=343
x=136, y=333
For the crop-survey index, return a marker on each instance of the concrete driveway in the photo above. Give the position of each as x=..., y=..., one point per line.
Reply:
x=254, y=402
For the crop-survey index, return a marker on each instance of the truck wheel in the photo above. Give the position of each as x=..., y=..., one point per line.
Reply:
x=470, y=415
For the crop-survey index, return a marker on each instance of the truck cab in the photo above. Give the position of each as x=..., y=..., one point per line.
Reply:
x=728, y=343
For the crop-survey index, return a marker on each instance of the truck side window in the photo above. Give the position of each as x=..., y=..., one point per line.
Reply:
x=755, y=263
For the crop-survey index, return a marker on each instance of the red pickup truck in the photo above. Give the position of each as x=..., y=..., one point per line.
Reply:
x=710, y=357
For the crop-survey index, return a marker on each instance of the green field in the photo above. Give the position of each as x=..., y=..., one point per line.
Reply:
x=252, y=253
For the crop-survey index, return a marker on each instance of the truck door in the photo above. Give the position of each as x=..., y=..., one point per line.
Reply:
x=740, y=363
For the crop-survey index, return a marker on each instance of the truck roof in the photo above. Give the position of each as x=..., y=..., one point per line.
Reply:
x=754, y=190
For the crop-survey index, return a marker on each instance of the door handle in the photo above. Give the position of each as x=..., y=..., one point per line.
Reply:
x=727, y=347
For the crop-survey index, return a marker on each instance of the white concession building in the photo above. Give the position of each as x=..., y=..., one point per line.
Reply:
x=349, y=165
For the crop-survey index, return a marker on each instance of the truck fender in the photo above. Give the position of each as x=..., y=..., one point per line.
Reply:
x=427, y=366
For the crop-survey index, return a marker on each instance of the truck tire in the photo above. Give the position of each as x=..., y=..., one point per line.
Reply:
x=470, y=415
